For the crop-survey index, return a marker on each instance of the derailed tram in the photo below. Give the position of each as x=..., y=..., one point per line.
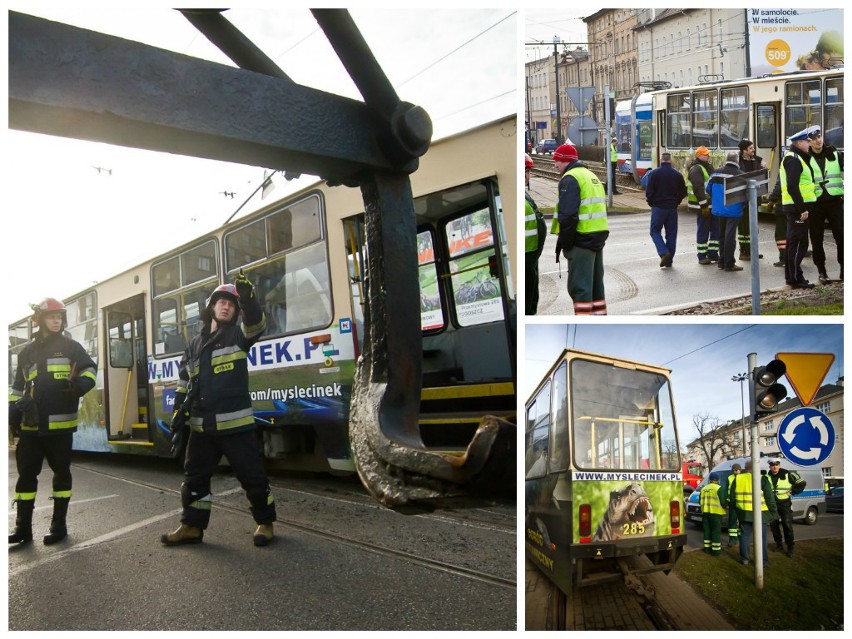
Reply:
x=603, y=480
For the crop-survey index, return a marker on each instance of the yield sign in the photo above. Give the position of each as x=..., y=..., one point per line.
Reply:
x=806, y=372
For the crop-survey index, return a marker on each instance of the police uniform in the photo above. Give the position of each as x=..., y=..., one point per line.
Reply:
x=53, y=373
x=583, y=230
x=782, y=485
x=827, y=166
x=798, y=195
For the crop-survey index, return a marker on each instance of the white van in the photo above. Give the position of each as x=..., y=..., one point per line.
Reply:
x=807, y=505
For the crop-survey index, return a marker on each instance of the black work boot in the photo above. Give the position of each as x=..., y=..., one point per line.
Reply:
x=23, y=522
x=58, y=530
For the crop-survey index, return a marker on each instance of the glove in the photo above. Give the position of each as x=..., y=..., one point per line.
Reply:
x=24, y=404
x=178, y=426
x=245, y=289
x=14, y=419
x=705, y=211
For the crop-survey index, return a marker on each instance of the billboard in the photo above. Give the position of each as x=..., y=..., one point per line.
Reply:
x=783, y=40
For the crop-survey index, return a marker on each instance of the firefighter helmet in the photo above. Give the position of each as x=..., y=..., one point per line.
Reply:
x=47, y=305
x=228, y=291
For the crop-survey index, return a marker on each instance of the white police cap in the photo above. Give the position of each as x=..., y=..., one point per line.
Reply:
x=804, y=134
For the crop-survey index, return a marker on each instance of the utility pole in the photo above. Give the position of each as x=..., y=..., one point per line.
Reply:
x=556, y=41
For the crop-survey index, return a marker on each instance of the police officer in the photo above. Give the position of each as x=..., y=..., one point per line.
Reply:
x=712, y=512
x=214, y=371
x=740, y=498
x=798, y=195
x=698, y=202
x=535, y=232
x=827, y=165
x=613, y=162
x=582, y=226
x=53, y=373
x=785, y=484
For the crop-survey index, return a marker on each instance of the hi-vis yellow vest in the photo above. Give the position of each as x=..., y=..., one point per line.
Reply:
x=833, y=177
x=806, y=181
x=742, y=493
x=592, y=212
x=709, y=500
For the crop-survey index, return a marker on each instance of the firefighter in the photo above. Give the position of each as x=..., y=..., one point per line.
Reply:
x=698, y=201
x=53, y=373
x=214, y=375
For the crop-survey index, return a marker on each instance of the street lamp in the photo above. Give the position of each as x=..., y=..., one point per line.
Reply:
x=742, y=377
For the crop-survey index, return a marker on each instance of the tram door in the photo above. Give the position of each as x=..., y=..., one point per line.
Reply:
x=767, y=136
x=126, y=386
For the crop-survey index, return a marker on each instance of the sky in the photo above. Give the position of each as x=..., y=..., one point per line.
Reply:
x=542, y=25
x=69, y=225
x=702, y=357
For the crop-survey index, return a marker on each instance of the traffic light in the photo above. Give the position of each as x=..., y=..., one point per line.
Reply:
x=766, y=391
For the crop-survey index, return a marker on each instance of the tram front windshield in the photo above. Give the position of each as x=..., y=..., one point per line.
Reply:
x=623, y=418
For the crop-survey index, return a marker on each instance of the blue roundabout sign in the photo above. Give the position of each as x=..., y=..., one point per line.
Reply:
x=806, y=436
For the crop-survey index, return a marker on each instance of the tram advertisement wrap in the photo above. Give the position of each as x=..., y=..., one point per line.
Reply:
x=783, y=40
x=626, y=505
x=291, y=380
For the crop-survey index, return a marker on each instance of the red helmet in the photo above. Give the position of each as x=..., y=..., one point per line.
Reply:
x=47, y=305
x=228, y=291
x=528, y=162
x=565, y=153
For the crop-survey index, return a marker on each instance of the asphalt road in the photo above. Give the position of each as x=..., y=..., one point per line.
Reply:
x=634, y=282
x=339, y=561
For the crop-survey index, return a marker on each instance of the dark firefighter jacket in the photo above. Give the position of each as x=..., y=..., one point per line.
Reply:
x=217, y=363
x=56, y=372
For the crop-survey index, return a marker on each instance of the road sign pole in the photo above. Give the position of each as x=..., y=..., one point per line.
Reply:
x=756, y=479
x=755, y=247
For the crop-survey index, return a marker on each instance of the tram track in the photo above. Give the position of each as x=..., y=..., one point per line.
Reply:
x=484, y=519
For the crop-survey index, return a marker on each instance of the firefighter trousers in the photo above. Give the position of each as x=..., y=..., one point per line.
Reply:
x=30, y=454
x=203, y=453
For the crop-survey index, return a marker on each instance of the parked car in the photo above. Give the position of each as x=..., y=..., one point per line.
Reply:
x=834, y=500
x=547, y=145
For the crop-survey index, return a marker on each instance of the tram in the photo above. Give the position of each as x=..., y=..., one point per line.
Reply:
x=719, y=113
x=603, y=470
x=305, y=255
x=766, y=110
x=634, y=132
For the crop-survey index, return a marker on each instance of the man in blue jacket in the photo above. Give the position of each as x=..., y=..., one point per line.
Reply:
x=664, y=192
x=729, y=215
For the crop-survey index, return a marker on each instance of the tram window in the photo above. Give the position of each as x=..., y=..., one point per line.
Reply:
x=804, y=105
x=538, y=433
x=431, y=310
x=560, y=453
x=476, y=290
x=19, y=336
x=705, y=114
x=166, y=276
x=177, y=318
x=833, y=132
x=120, y=340
x=678, y=130
x=289, y=266
x=767, y=127
x=81, y=315
x=734, y=104
x=622, y=418
x=198, y=263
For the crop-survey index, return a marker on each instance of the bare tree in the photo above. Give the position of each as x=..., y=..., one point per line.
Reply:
x=715, y=438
